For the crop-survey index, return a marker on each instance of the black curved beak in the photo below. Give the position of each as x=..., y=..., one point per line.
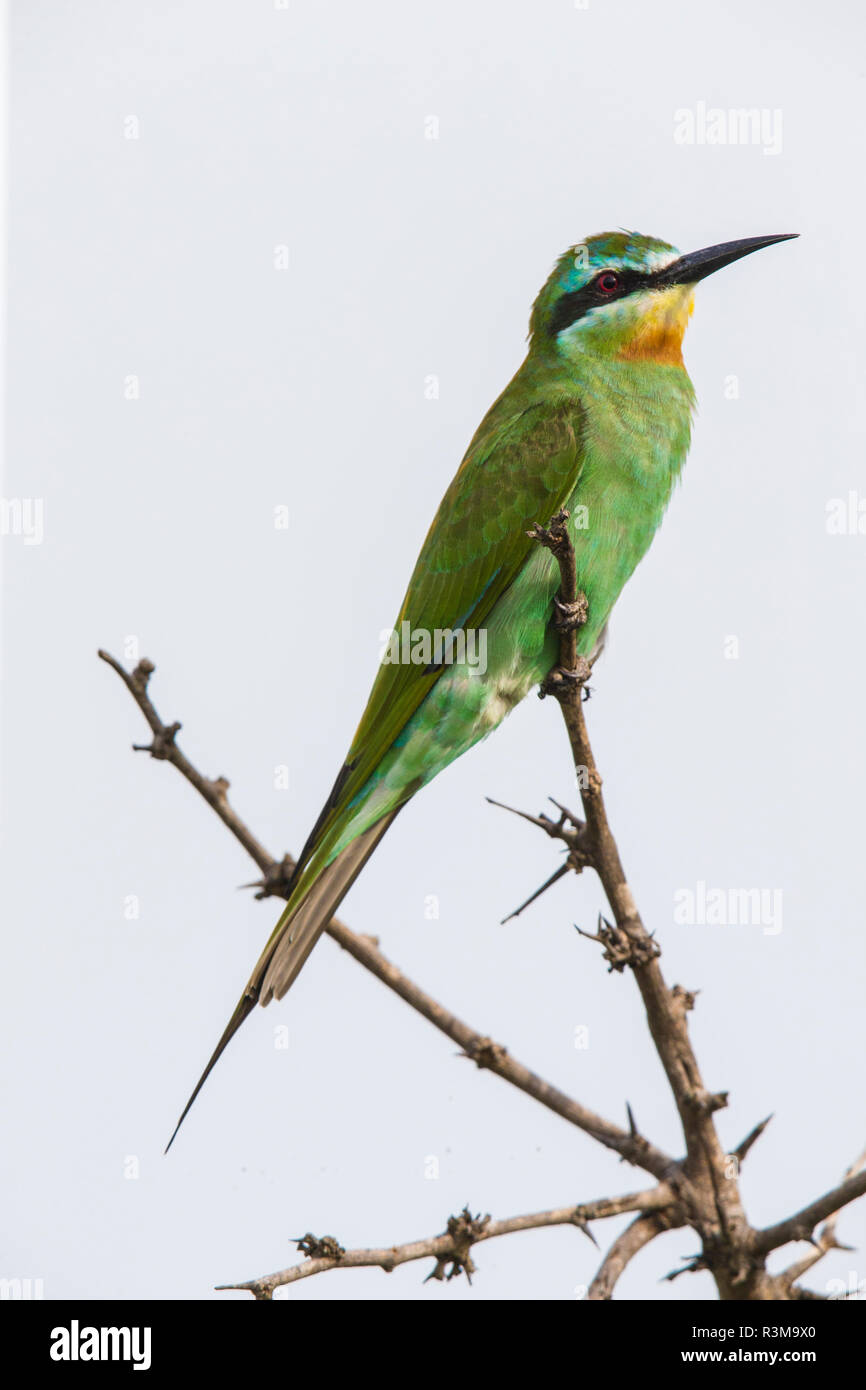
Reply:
x=699, y=264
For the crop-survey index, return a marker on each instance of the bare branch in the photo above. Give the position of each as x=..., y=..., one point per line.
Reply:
x=492, y=1056
x=451, y=1250
x=164, y=747
x=632, y=1240
x=627, y=941
x=828, y=1231
x=801, y=1225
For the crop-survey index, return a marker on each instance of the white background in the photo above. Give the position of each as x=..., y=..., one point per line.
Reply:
x=408, y=257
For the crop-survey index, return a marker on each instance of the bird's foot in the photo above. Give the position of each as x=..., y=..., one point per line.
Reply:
x=568, y=617
x=559, y=680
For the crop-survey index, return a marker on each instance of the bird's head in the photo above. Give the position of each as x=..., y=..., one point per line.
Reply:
x=624, y=296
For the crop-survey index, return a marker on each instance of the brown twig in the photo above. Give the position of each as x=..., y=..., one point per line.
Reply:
x=629, y=1243
x=627, y=942
x=731, y=1249
x=801, y=1225
x=164, y=747
x=451, y=1250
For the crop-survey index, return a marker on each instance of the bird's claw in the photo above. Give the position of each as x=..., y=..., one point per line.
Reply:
x=570, y=616
x=554, y=682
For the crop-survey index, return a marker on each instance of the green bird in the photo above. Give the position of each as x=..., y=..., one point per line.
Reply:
x=596, y=420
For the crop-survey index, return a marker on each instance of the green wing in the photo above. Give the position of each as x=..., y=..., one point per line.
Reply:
x=516, y=471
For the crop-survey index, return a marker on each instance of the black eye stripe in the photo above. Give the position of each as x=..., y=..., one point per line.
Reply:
x=571, y=307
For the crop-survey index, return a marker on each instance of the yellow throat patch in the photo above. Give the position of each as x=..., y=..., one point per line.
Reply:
x=660, y=324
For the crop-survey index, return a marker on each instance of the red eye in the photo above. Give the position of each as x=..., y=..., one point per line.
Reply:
x=608, y=282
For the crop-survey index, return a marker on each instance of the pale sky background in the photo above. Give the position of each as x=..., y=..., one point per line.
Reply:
x=258, y=127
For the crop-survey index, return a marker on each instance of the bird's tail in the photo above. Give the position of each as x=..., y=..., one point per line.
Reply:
x=312, y=903
x=301, y=925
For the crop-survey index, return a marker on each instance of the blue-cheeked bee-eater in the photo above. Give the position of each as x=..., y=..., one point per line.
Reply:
x=597, y=420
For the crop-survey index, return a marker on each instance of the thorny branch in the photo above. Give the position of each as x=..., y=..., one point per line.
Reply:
x=451, y=1250
x=629, y=1243
x=708, y=1185
x=700, y=1190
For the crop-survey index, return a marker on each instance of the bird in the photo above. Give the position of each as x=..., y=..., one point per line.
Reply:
x=596, y=421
